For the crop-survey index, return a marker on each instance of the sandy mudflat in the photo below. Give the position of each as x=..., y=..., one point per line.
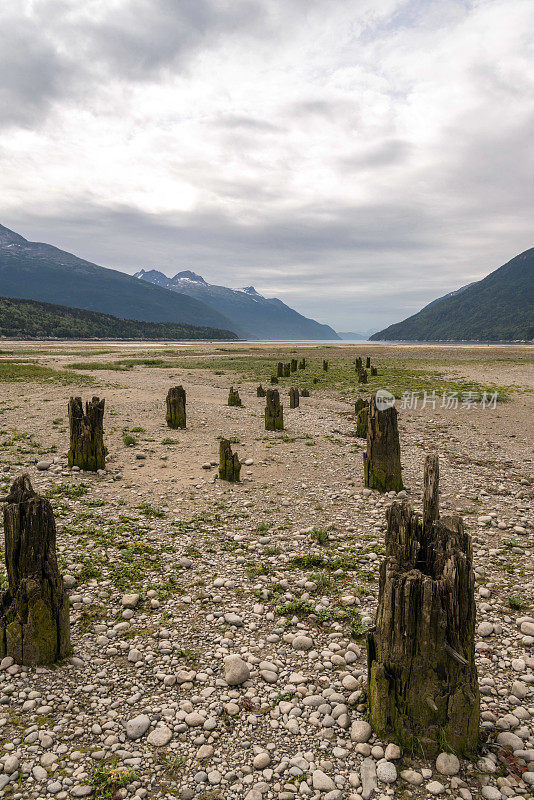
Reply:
x=212, y=565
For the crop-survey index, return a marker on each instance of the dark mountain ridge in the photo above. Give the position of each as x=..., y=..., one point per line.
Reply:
x=500, y=307
x=38, y=271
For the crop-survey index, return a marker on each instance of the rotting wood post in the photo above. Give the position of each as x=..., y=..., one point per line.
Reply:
x=374, y=371
x=280, y=370
x=34, y=613
x=358, y=364
x=305, y=393
x=287, y=370
x=381, y=462
x=229, y=463
x=294, y=365
x=87, y=450
x=260, y=391
x=422, y=681
x=302, y=364
x=362, y=376
x=233, y=397
x=361, y=407
x=274, y=411
x=175, y=414
x=293, y=397
x=368, y=362
x=325, y=365
x=274, y=379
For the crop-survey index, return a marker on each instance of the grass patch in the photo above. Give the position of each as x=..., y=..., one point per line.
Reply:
x=13, y=371
x=108, y=779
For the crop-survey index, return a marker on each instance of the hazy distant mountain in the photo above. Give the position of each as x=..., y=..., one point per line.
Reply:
x=500, y=307
x=252, y=315
x=41, y=272
x=33, y=319
x=352, y=335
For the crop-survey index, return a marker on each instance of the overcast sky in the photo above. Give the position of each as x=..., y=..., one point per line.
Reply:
x=356, y=158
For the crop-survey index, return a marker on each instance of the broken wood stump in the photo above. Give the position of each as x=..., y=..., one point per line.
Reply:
x=360, y=403
x=274, y=379
x=358, y=364
x=362, y=376
x=422, y=681
x=302, y=364
x=293, y=397
x=374, y=371
x=368, y=362
x=274, y=412
x=294, y=365
x=260, y=391
x=87, y=450
x=325, y=365
x=280, y=370
x=305, y=393
x=229, y=463
x=362, y=422
x=287, y=370
x=34, y=612
x=175, y=415
x=233, y=397
x=381, y=462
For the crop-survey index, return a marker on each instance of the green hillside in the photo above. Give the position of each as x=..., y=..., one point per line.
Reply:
x=31, y=319
x=500, y=307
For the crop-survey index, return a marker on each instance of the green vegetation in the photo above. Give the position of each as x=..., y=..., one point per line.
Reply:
x=33, y=319
x=23, y=371
x=108, y=779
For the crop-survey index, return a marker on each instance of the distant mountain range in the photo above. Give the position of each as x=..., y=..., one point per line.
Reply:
x=252, y=315
x=23, y=319
x=37, y=271
x=500, y=307
x=348, y=335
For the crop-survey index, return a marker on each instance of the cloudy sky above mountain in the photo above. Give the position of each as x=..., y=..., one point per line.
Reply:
x=356, y=158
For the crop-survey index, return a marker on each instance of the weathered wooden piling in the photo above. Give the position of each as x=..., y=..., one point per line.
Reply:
x=294, y=365
x=374, y=371
x=287, y=370
x=362, y=376
x=274, y=412
x=260, y=391
x=305, y=393
x=229, y=463
x=87, y=450
x=293, y=397
x=381, y=462
x=175, y=414
x=368, y=362
x=34, y=612
x=325, y=365
x=358, y=364
x=362, y=422
x=274, y=379
x=302, y=363
x=280, y=370
x=422, y=681
x=233, y=397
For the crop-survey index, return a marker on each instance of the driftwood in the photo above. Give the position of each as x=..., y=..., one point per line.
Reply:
x=233, y=397
x=274, y=412
x=381, y=462
x=422, y=682
x=229, y=463
x=260, y=391
x=175, y=415
x=87, y=450
x=293, y=397
x=34, y=613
